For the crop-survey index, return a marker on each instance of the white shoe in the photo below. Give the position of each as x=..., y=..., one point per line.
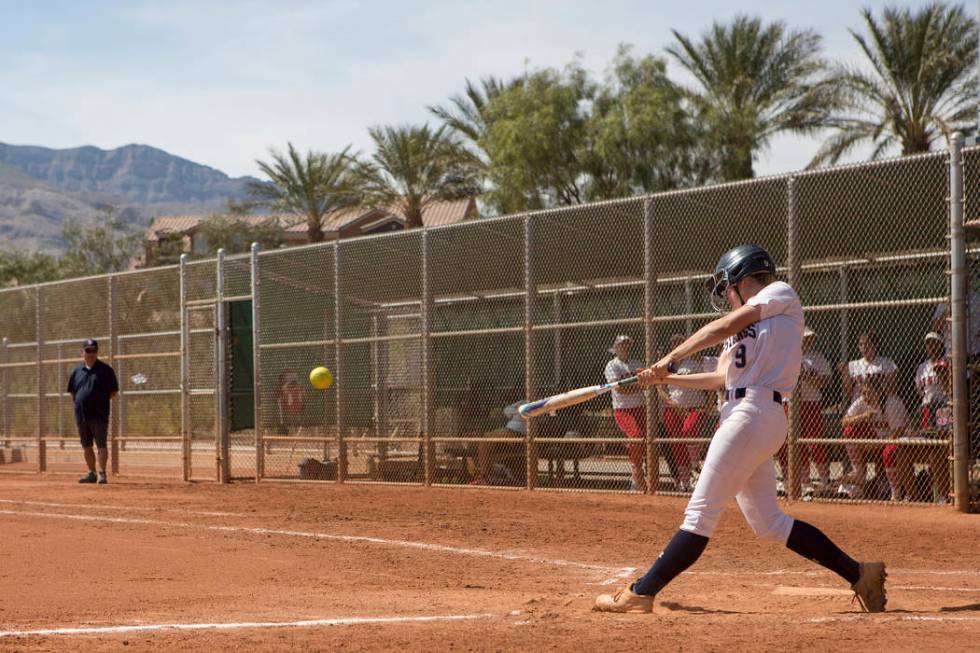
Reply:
x=849, y=491
x=869, y=590
x=808, y=492
x=624, y=601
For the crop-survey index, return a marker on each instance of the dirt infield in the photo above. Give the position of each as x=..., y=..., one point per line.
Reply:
x=141, y=565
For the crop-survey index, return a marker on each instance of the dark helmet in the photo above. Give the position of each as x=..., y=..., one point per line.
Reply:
x=738, y=263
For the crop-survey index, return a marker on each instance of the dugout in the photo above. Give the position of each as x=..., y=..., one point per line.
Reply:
x=440, y=330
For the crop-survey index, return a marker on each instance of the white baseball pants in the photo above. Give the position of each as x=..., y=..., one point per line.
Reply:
x=739, y=464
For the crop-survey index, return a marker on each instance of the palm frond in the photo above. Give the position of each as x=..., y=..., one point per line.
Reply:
x=756, y=80
x=921, y=81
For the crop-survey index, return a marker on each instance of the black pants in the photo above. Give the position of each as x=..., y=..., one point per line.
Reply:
x=93, y=430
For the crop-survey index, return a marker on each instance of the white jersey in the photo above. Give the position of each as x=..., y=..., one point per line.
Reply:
x=862, y=370
x=815, y=362
x=928, y=384
x=768, y=353
x=687, y=397
x=617, y=370
x=894, y=416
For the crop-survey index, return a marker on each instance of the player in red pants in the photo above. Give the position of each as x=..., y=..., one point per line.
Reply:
x=873, y=415
x=629, y=408
x=685, y=417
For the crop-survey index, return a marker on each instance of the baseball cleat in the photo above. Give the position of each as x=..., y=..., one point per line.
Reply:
x=869, y=590
x=624, y=601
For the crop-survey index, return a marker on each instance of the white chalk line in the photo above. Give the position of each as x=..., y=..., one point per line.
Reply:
x=623, y=573
x=974, y=590
x=620, y=572
x=306, y=623
x=906, y=588
x=820, y=572
x=422, y=546
x=100, y=506
x=877, y=618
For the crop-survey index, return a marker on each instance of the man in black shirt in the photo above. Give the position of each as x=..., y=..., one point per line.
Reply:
x=92, y=384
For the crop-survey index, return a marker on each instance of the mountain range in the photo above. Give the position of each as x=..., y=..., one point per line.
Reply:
x=41, y=187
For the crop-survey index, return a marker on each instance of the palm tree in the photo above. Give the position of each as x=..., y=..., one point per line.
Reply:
x=467, y=113
x=413, y=167
x=313, y=185
x=921, y=84
x=756, y=81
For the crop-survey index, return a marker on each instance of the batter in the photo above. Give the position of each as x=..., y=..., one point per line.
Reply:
x=759, y=365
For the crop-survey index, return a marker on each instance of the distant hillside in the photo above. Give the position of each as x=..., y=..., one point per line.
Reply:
x=41, y=187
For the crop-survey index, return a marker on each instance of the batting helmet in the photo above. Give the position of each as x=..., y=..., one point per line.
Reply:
x=738, y=263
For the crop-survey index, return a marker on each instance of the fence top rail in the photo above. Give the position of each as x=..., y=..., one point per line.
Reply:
x=558, y=210
x=284, y=251
x=867, y=165
x=148, y=334
x=93, y=277
x=73, y=341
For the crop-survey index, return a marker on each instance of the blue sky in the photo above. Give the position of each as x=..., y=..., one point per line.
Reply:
x=221, y=82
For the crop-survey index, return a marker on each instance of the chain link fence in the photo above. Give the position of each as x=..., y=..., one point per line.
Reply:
x=435, y=336
x=145, y=310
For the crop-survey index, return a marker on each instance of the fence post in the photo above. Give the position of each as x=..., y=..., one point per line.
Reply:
x=375, y=379
x=257, y=362
x=42, y=462
x=220, y=369
x=61, y=396
x=688, y=306
x=185, y=375
x=556, y=319
x=428, y=451
x=844, y=298
x=791, y=475
x=116, y=425
x=5, y=380
x=958, y=300
x=530, y=366
x=339, y=381
x=120, y=367
x=652, y=456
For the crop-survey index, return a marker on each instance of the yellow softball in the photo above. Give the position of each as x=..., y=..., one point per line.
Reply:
x=321, y=378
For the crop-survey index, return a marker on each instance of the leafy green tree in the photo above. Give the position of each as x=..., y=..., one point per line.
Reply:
x=534, y=140
x=312, y=185
x=640, y=136
x=18, y=268
x=755, y=81
x=466, y=113
x=169, y=246
x=921, y=84
x=235, y=235
x=414, y=166
x=106, y=244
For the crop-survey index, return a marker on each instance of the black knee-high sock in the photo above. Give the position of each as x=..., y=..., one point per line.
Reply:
x=681, y=552
x=810, y=542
